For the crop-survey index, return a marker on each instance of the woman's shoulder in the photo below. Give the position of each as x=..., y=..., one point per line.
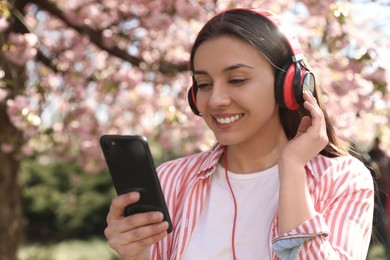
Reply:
x=332, y=177
x=338, y=166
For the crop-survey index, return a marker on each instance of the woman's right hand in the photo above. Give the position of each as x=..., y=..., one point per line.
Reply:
x=132, y=236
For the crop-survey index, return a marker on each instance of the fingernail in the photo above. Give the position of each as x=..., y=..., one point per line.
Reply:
x=164, y=225
x=134, y=195
x=158, y=215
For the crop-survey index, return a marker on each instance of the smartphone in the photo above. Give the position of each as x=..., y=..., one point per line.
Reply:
x=131, y=166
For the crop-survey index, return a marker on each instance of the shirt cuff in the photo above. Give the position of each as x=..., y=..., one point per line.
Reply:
x=287, y=245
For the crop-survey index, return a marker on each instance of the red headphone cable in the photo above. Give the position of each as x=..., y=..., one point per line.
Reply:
x=234, y=202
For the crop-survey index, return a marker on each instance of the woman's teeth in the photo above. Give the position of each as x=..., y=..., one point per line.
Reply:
x=227, y=120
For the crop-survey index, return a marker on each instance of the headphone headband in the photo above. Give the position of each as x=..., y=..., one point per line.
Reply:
x=294, y=46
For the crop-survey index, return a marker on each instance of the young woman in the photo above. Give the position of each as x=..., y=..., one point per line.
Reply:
x=277, y=185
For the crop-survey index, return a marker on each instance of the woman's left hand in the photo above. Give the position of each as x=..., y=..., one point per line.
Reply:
x=311, y=135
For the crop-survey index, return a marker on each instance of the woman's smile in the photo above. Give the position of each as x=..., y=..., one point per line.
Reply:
x=227, y=120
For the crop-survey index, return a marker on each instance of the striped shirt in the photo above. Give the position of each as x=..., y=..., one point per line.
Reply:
x=341, y=188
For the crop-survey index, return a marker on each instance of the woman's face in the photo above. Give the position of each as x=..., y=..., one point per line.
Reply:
x=236, y=91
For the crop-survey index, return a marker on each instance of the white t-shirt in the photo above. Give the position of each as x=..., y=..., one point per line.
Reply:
x=257, y=198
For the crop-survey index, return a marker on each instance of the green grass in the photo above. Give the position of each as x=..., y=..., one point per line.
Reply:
x=68, y=250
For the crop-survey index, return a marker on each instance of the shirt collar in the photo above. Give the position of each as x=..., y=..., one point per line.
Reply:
x=211, y=162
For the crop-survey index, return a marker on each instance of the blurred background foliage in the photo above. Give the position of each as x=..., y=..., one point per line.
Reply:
x=62, y=202
x=64, y=211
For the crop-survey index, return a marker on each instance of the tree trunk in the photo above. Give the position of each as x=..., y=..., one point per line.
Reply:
x=11, y=141
x=11, y=216
x=13, y=81
x=11, y=220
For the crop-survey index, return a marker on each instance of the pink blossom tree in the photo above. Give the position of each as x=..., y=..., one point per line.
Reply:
x=73, y=70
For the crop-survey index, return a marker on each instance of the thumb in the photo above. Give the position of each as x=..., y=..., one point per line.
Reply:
x=119, y=203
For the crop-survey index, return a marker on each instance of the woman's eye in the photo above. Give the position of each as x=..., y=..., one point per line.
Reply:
x=237, y=81
x=203, y=85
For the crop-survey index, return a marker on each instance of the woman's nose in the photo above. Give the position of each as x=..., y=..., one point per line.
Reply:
x=219, y=96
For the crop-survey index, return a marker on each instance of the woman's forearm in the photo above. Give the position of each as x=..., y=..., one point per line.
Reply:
x=295, y=203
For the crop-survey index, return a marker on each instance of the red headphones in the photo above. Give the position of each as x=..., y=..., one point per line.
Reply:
x=290, y=80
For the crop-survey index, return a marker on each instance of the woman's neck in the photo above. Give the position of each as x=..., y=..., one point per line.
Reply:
x=254, y=156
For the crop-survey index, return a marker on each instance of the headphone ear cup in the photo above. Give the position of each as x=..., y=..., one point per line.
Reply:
x=279, y=86
x=287, y=86
x=191, y=96
x=297, y=85
x=307, y=83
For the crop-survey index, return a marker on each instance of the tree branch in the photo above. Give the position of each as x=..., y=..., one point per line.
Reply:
x=96, y=36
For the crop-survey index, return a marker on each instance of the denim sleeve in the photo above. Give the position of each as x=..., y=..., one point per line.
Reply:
x=288, y=248
x=287, y=245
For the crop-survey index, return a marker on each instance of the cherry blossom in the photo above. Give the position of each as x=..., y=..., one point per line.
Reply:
x=96, y=67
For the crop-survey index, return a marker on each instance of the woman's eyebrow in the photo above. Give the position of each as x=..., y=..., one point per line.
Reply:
x=237, y=66
x=199, y=72
x=229, y=68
